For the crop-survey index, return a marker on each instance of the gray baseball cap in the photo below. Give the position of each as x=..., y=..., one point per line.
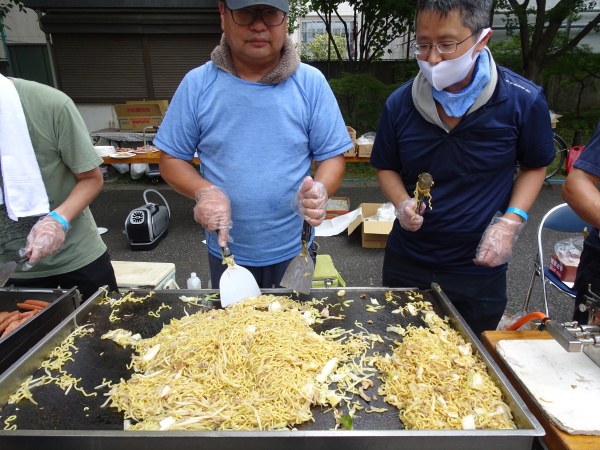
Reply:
x=283, y=5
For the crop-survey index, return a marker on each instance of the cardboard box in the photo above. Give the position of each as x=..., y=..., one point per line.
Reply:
x=352, y=152
x=565, y=272
x=137, y=109
x=137, y=115
x=374, y=232
x=554, y=119
x=364, y=150
x=138, y=124
x=337, y=206
x=162, y=104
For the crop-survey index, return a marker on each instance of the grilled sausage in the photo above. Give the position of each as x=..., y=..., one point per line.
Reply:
x=41, y=303
x=13, y=326
x=10, y=318
x=29, y=307
x=29, y=314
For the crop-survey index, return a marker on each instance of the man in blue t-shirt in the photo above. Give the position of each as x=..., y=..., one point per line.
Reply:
x=466, y=122
x=257, y=118
x=580, y=191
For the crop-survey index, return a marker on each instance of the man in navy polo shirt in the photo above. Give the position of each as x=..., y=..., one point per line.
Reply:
x=467, y=122
x=580, y=191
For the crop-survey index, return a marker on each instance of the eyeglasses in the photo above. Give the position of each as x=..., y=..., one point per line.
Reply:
x=442, y=47
x=272, y=17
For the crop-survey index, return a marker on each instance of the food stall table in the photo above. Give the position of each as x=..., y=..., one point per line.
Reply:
x=555, y=439
x=113, y=135
x=140, y=158
x=358, y=159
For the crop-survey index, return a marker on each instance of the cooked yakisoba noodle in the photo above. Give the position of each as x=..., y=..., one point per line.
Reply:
x=437, y=382
x=241, y=368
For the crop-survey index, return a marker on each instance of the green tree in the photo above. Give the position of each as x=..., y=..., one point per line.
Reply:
x=298, y=9
x=6, y=6
x=507, y=53
x=539, y=29
x=579, y=67
x=317, y=48
x=361, y=98
x=374, y=25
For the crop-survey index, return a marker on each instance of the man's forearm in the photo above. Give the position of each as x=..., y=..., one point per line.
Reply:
x=88, y=186
x=330, y=173
x=181, y=175
x=392, y=186
x=580, y=191
x=526, y=189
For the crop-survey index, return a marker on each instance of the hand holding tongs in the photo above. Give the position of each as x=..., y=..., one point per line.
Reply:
x=422, y=190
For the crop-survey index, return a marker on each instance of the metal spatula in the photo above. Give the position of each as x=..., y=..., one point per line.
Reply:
x=6, y=271
x=299, y=274
x=237, y=283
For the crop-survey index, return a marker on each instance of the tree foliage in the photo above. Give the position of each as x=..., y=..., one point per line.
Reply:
x=298, y=9
x=373, y=26
x=539, y=29
x=361, y=98
x=317, y=48
x=507, y=53
x=6, y=6
x=579, y=67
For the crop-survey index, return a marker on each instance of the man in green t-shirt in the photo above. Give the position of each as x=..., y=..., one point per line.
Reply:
x=64, y=247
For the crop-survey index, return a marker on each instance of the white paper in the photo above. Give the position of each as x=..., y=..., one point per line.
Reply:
x=335, y=226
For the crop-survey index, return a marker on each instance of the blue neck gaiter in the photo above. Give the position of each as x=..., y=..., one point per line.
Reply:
x=456, y=105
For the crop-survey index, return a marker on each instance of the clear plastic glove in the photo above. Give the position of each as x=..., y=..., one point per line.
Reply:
x=405, y=212
x=496, y=244
x=46, y=237
x=213, y=212
x=310, y=202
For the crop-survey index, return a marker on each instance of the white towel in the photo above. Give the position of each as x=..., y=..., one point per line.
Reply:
x=24, y=191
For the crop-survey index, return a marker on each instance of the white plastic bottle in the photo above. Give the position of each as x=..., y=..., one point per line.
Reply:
x=193, y=282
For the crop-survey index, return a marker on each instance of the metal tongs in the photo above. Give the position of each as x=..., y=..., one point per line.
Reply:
x=422, y=190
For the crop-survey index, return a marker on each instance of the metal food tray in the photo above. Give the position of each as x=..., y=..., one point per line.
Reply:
x=16, y=343
x=74, y=421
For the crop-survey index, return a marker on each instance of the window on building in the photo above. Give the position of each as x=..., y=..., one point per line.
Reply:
x=311, y=29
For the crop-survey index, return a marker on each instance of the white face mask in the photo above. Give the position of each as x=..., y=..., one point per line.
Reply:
x=450, y=71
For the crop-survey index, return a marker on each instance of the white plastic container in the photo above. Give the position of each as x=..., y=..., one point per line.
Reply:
x=193, y=282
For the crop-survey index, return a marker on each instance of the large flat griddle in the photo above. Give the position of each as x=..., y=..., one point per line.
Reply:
x=76, y=421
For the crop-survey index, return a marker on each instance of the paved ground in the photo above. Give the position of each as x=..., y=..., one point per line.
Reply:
x=358, y=266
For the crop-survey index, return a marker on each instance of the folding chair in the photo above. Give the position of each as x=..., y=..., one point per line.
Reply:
x=560, y=218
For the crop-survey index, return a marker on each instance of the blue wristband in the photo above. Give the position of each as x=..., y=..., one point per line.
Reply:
x=518, y=212
x=60, y=219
